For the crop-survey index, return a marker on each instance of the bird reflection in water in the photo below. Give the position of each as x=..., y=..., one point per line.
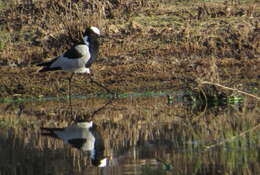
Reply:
x=83, y=136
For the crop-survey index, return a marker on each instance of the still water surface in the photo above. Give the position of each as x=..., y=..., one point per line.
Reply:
x=139, y=135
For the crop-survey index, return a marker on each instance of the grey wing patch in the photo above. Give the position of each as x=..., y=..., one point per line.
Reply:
x=74, y=52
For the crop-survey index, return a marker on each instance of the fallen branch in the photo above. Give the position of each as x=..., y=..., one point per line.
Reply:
x=225, y=87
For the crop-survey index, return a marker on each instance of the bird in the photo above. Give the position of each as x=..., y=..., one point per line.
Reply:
x=79, y=58
x=83, y=136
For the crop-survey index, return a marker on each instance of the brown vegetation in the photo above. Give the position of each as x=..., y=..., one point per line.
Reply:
x=148, y=44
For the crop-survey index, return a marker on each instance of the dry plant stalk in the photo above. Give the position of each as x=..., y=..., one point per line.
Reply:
x=214, y=70
x=232, y=89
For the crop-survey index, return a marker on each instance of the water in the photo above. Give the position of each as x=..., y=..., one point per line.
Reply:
x=142, y=134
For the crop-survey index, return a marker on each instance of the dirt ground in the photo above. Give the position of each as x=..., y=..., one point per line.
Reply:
x=148, y=45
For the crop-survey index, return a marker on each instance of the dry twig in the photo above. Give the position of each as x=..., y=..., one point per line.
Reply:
x=232, y=89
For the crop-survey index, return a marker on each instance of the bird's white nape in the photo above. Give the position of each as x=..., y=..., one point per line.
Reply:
x=85, y=124
x=95, y=30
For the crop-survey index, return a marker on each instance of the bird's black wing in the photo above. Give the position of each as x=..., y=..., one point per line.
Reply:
x=77, y=143
x=48, y=63
x=51, y=132
x=73, y=53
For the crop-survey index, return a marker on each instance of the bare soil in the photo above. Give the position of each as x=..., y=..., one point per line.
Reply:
x=149, y=45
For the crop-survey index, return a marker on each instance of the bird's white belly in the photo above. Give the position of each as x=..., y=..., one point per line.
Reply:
x=71, y=65
x=80, y=70
x=78, y=133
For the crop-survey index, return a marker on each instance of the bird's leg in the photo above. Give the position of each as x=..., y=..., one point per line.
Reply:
x=99, y=84
x=100, y=109
x=70, y=79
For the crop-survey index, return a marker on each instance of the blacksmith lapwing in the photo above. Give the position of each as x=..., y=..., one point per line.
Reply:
x=78, y=58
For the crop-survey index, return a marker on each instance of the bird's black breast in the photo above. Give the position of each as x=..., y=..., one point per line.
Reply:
x=94, y=48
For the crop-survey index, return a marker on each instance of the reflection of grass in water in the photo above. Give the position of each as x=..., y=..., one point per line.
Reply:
x=27, y=153
x=230, y=158
x=15, y=122
x=147, y=170
x=237, y=157
x=129, y=122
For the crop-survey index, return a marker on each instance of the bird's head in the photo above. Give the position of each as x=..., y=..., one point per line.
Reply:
x=92, y=31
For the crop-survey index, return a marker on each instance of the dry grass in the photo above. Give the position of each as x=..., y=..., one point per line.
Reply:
x=149, y=44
